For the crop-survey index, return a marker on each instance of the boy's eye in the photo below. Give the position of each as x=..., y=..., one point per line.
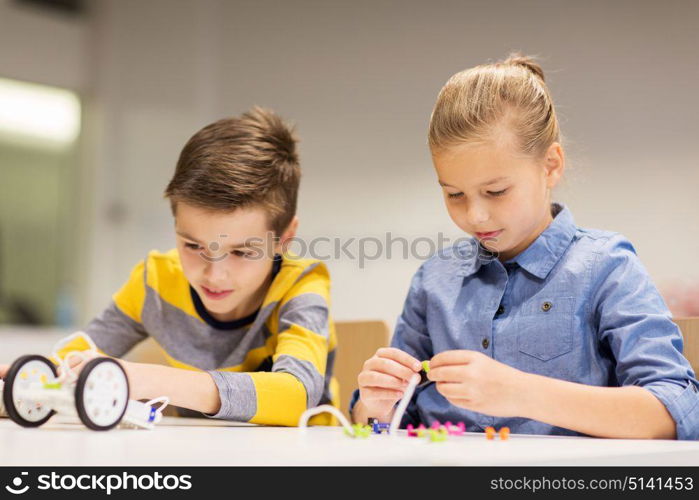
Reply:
x=192, y=246
x=497, y=193
x=240, y=253
x=455, y=195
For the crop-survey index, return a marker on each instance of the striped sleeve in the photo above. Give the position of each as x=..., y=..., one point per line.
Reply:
x=297, y=378
x=118, y=328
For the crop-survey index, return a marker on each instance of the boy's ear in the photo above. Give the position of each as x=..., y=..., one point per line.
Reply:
x=554, y=163
x=288, y=234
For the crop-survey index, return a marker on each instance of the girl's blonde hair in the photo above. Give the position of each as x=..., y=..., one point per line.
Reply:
x=503, y=100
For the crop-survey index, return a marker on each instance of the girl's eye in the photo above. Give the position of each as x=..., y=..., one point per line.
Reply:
x=192, y=246
x=455, y=195
x=497, y=193
x=240, y=253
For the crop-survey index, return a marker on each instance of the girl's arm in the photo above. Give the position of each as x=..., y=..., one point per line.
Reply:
x=611, y=412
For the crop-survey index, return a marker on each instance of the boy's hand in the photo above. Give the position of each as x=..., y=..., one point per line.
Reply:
x=474, y=381
x=132, y=370
x=383, y=379
x=3, y=370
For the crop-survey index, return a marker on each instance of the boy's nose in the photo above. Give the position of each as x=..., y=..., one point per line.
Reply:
x=216, y=272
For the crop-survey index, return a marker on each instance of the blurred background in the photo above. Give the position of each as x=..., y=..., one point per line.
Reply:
x=97, y=97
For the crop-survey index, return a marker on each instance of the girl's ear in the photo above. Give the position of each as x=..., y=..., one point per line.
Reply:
x=555, y=164
x=288, y=234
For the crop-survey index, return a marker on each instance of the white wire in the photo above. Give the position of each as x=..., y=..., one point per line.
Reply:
x=403, y=405
x=159, y=411
x=303, y=421
x=66, y=369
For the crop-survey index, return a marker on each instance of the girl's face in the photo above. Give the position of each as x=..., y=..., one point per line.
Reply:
x=498, y=196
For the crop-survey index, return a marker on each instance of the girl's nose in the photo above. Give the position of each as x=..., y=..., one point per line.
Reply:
x=477, y=215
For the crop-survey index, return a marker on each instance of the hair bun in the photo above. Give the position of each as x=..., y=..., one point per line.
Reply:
x=518, y=59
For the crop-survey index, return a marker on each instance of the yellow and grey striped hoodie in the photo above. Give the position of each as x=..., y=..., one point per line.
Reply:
x=268, y=367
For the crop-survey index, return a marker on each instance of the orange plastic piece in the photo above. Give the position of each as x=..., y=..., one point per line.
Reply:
x=504, y=433
x=490, y=433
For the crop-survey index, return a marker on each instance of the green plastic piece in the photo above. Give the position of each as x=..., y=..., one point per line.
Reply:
x=52, y=385
x=426, y=366
x=437, y=436
x=360, y=431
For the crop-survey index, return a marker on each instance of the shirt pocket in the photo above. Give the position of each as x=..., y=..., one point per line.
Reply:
x=546, y=327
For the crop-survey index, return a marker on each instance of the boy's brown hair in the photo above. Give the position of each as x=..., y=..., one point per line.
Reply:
x=240, y=162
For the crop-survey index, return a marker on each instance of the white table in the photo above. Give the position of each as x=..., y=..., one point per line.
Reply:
x=180, y=442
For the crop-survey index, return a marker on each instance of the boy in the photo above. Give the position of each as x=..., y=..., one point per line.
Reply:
x=246, y=329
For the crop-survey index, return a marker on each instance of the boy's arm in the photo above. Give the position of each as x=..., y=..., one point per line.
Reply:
x=118, y=328
x=185, y=388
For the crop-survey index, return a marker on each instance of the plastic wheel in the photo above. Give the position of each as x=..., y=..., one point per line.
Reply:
x=24, y=371
x=101, y=394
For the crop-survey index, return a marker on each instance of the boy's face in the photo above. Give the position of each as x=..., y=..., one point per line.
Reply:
x=226, y=257
x=497, y=196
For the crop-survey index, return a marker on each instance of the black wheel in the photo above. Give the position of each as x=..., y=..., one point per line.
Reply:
x=24, y=371
x=101, y=394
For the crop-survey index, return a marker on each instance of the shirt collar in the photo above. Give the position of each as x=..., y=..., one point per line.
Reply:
x=538, y=258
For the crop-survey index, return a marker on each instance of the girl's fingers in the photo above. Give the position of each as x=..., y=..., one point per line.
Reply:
x=378, y=394
x=399, y=356
x=451, y=390
x=457, y=357
x=390, y=367
x=377, y=379
x=453, y=373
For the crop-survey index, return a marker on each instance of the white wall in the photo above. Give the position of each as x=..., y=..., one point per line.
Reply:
x=42, y=47
x=359, y=78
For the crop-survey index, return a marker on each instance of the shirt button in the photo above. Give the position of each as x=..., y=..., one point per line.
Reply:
x=485, y=343
x=500, y=310
x=546, y=306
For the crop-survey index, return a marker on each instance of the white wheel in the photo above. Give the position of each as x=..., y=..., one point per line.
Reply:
x=101, y=394
x=24, y=372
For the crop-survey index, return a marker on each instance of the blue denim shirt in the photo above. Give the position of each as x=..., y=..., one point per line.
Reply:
x=576, y=305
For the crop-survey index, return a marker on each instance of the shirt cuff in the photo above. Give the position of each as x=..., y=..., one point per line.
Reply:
x=683, y=405
x=237, y=394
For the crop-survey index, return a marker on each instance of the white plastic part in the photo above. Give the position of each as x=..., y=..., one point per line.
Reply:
x=403, y=405
x=66, y=370
x=144, y=415
x=303, y=421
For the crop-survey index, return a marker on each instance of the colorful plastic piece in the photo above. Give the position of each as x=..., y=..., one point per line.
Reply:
x=490, y=433
x=437, y=435
x=359, y=431
x=379, y=427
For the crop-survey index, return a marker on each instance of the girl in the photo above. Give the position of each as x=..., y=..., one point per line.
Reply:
x=548, y=328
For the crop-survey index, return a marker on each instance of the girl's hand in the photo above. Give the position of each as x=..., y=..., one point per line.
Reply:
x=3, y=370
x=383, y=379
x=474, y=381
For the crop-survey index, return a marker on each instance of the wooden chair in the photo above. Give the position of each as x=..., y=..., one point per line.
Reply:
x=690, y=333
x=357, y=341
